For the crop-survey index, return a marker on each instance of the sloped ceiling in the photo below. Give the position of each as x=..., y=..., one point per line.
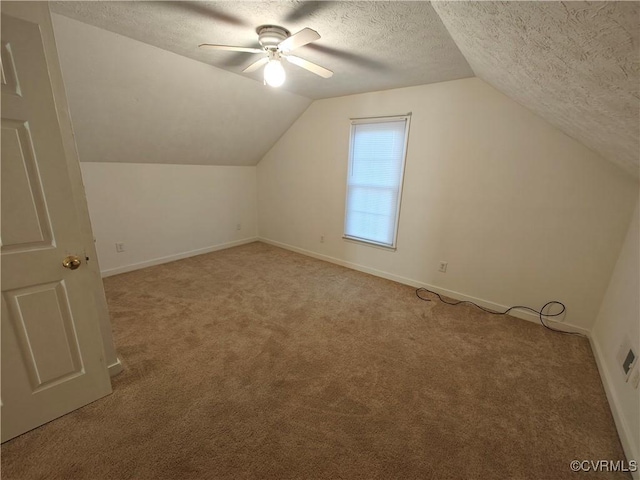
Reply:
x=134, y=103
x=576, y=64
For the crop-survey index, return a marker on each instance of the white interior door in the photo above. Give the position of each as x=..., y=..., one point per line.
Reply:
x=52, y=353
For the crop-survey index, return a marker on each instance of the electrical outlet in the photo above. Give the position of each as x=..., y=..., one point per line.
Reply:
x=626, y=357
x=321, y=238
x=119, y=247
x=443, y=267
x=629, y=362
x=238, y=226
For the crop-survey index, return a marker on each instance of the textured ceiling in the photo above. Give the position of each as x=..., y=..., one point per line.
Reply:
x=369, y=45
x=576, y=64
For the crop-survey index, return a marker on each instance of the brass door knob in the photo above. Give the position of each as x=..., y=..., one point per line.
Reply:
x=72, y=262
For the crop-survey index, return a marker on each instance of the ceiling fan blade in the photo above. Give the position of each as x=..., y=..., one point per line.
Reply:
x=354, y=58
x=256, y=65
x=304, y=36
x=229, y=48
x=307, y=65
x=304, y=10
x=202, y=10
x=234, y=60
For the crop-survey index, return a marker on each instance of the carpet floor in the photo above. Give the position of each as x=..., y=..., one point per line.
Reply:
x=256, y=362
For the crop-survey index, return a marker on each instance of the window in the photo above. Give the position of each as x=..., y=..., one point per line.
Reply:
x=374, y=180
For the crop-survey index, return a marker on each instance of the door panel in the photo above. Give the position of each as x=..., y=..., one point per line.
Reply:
x=9, y=79
x=50, y=355
x=24, y=218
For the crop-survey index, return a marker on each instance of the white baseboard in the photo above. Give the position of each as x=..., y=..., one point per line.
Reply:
x=631, y=450
x=172, y=258
x=415, y=283
x=115, y=368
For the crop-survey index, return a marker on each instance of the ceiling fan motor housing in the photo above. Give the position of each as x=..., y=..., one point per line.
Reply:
x=270, y=36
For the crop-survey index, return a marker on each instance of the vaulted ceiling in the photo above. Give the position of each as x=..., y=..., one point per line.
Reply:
x=576, y=64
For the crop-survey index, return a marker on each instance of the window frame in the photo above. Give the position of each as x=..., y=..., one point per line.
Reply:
x=372, y=120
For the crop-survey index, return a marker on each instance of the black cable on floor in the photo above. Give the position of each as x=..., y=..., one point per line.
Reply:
x=540, y=313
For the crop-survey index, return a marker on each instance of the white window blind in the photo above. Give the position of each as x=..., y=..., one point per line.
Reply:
x=374, y=180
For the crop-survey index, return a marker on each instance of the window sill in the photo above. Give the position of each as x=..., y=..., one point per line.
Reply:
x=369, y=243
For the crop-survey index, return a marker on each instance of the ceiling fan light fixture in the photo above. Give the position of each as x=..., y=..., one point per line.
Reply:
x=276, y=43
x=274, y=74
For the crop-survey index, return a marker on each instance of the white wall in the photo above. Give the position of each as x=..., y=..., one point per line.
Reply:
x=166, y=212
x=619, y=317
x=523, y=213
x=132, y=102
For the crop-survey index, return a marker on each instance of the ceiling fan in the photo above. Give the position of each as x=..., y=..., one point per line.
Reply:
x=277, y=42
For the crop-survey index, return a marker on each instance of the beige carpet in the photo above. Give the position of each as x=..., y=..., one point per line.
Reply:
x=255, y=362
